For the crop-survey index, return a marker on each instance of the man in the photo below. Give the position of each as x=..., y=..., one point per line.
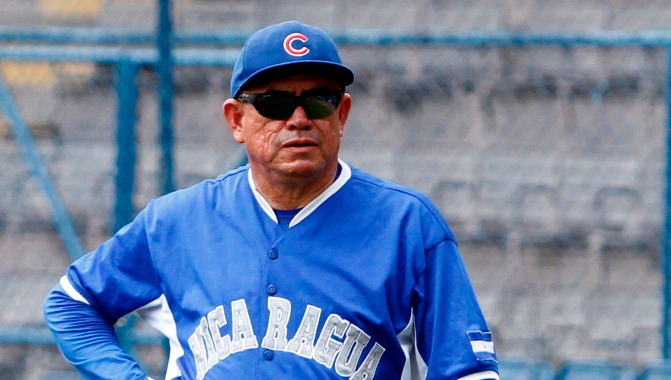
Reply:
x=294, y=266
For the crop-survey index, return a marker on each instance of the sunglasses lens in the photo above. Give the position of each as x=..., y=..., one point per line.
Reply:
x=275, y=106
x=281, y=105
x=317, y=106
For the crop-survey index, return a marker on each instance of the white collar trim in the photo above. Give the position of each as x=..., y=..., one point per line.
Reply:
x=345, y=175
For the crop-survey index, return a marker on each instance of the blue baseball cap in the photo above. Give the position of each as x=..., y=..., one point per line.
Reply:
x=286, y=48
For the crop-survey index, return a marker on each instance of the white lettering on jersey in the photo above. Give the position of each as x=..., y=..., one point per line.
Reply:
x=339, y=342
x=302, y=343
x=200, y=343
x=222, y=344
x=276, y=334
x=369, y=365
x=327, y=348
x=243, y=333
x=355, y=341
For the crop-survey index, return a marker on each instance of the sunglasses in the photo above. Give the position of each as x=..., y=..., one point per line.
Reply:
x=280, y=105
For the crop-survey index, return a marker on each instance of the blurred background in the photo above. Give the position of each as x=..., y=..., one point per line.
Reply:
x=538, y=127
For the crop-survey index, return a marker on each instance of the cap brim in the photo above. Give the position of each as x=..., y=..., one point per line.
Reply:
x=341, y=74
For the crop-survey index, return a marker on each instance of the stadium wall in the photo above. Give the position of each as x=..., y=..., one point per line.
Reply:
x=547, y=161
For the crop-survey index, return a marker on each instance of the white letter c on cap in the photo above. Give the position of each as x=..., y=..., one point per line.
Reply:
x=288, y=45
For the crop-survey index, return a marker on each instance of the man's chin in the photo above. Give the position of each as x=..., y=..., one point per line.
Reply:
x=303, y=168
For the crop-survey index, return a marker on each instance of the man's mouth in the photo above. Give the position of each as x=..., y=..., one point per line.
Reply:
x=300, y=143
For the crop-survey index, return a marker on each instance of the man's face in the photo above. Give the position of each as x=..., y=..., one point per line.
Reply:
x=298, y=146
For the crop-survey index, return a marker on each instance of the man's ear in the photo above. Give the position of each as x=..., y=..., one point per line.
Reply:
x=233, y=113
x=343, y=111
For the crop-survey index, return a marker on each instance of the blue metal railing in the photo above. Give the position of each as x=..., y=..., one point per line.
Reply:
x=164, y=68
x=193, y=37
x=666, y=228
x=60, y=215
x=127, y=96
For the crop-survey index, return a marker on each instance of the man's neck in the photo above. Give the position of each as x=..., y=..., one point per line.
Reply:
x=287, y=193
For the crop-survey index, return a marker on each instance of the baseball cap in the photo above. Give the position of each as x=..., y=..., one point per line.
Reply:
x=288, y=47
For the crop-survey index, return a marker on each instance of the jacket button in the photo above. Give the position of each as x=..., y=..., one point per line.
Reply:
x=271, y=289
x=268, y=355
x=272, y=254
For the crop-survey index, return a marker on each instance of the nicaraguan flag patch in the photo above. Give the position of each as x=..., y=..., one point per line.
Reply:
x=482, y=345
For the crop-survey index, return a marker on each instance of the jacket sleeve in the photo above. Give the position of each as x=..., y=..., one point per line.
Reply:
x=87, y=339
x=452, y=337
x=100, y=287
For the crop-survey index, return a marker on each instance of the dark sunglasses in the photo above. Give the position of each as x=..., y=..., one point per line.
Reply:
x=280, y=105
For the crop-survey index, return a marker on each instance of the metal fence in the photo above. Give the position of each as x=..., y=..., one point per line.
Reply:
x=545, y=151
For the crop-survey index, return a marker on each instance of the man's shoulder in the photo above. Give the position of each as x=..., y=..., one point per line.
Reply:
x=387, y=187
x=398, y=199
x=230, y=177
x=206, y=190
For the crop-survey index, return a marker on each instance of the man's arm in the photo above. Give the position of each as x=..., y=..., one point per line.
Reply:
x=86, y=338
x=452, y=336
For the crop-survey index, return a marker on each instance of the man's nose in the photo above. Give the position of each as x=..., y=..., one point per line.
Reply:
x=299, y=119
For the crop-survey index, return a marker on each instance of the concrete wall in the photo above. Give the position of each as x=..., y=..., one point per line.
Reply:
x=548, y=163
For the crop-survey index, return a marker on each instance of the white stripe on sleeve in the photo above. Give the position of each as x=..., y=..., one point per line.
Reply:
x=71, y=291
x=158, y=315
x=487, y=375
